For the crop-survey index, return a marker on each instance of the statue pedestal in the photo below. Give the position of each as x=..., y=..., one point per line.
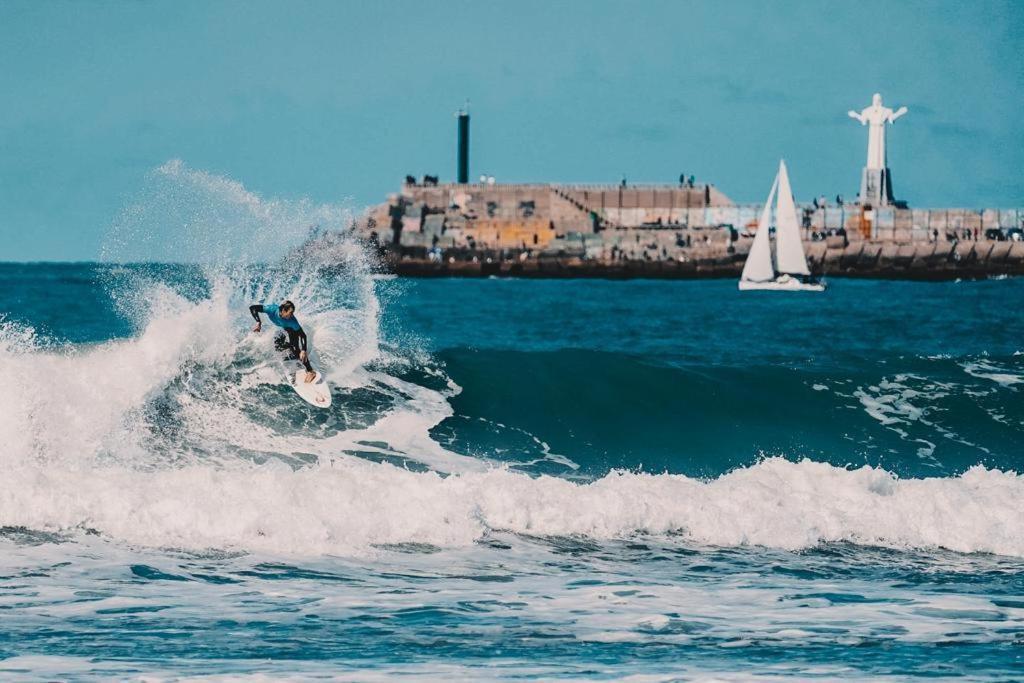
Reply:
x=876, y=187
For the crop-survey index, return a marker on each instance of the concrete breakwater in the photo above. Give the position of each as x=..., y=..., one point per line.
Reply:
x=938, y=261
x=685, y=231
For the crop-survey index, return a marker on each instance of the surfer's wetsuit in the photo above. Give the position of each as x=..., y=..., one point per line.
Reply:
x=290, y=326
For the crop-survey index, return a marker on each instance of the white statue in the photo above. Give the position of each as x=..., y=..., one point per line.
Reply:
x=876, y=116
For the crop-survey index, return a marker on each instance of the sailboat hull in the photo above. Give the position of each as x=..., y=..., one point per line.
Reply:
x=786, y=284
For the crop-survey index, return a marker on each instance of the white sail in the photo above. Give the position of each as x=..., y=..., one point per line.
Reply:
x=789, y=249
x=758, y=267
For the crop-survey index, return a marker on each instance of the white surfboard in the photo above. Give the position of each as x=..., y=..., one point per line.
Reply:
x=316, y=393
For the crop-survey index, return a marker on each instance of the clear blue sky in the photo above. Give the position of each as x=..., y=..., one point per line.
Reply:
x=337, y=101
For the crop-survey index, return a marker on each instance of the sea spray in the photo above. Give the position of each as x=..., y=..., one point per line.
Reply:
x=186, y=215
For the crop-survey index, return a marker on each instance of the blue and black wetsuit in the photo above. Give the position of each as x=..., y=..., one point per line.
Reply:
x=290, y=326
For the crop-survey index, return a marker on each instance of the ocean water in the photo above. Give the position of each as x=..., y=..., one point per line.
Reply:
x=576, y=480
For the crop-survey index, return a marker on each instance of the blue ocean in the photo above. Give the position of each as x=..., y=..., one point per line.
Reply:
x=557, y=480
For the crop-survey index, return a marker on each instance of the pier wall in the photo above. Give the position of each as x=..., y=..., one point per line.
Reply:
x=867, y=258
x=672, y=231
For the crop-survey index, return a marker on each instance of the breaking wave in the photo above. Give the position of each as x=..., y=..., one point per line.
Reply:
x=150, y=441
x=182, y=434
x=348, y=506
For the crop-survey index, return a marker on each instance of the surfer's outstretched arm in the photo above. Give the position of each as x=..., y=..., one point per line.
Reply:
x=255, y=311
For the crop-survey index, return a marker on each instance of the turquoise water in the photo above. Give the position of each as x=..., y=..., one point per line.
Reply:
x=517, y=479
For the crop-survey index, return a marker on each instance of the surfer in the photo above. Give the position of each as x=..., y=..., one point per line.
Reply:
x=283, y=315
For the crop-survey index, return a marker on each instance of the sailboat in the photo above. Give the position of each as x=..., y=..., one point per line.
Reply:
x=789, y=272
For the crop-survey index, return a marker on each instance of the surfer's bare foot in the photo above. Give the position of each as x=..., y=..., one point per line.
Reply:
x=310, y=376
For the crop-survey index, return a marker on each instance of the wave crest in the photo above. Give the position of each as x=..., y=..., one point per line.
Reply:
x=349, y=506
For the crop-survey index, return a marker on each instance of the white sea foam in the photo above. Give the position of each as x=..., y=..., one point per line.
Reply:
x=348, y=506
x=906, y=402
x=986, y=369
x=65, y=402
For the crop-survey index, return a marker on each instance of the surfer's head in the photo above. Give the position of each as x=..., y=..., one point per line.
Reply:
x=286, y=309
